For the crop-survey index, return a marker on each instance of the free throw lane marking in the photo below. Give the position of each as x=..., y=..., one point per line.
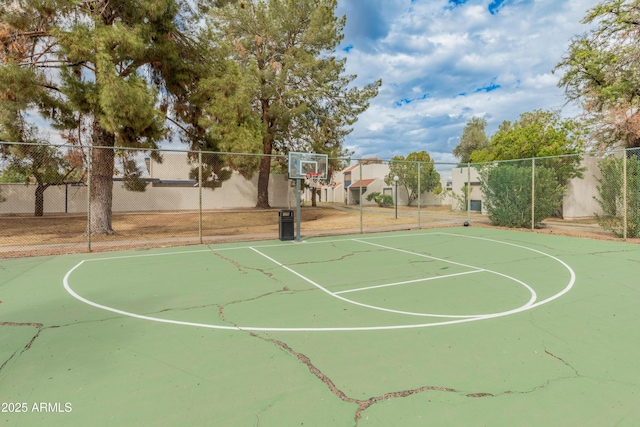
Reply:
x=406, y=282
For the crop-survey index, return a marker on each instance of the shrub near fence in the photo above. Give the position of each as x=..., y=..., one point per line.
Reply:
x=518, y=194
x=619, y=194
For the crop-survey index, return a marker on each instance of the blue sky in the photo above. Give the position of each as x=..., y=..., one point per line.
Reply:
x=444, y=61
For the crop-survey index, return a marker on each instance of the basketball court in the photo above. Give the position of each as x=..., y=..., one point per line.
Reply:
x=455, y=326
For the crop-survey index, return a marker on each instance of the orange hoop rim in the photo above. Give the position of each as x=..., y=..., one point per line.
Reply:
x=312, y=179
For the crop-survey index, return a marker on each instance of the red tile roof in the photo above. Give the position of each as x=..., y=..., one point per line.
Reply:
x=365, y=183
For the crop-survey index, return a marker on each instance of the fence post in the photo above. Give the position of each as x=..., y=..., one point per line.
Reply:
x=468, y=191
x=533, y=193
x=360, y=196
x=89, y=154
x=298, y=213
x=419, y=194
x=624, y=194
x=200, y=195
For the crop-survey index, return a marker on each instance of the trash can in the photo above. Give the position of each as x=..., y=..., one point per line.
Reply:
x=286, y=227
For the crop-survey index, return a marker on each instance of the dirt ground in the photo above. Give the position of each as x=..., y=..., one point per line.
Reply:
x=237, y=222
x=26, y=234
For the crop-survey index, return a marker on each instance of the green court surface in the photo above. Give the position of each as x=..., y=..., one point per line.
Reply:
x=462, y=326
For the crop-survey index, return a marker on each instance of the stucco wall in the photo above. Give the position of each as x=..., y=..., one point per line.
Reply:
x=237, y=192
x=579, y=199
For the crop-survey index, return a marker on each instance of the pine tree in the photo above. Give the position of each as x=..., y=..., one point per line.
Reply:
x=301, y=96
x=102, y=67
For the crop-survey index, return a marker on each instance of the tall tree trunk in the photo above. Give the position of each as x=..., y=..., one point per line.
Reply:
x=39, y=206
x=265, y=162
x=102, y=166
x=263, y=175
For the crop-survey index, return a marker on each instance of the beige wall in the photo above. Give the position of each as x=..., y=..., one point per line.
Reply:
x=459, y=179
x=20, y=198
x=174, y=166
x=237, y=192
x=579, y=199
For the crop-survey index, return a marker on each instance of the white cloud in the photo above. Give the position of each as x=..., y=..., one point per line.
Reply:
x=541, y=81
x=441, y=65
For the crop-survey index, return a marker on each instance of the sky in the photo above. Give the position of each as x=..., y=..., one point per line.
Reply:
x=443, y=62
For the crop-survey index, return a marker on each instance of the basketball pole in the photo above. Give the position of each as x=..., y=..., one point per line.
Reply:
x=297, y=210
x=310, y=167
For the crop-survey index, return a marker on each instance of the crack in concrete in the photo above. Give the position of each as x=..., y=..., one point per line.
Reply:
x=241, y=268
x=38, y=326
x=539, y=387
x=621, y=251
x=221, y=307
x=338, y=259
x=485, y=394
x=503, y=393
x=549, y=381
x=265, y=409
x=520, y=259
x=185, y=308
x=363, y=405
x=563, y=361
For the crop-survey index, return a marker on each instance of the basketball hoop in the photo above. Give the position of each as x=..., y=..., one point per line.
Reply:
x=312, y=179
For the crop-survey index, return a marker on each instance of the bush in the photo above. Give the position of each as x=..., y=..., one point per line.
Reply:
x=611, y=196
x=507, y=192
x=381, y=199
x=384, y=200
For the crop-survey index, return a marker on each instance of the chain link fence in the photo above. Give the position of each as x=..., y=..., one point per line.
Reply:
x=56, y=199
x=618, y=194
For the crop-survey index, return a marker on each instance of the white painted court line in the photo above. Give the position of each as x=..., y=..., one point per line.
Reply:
x=233, y=248
x=407, y=282
x=551, y=298
x=391, y=248
x=349, y=301
x=534, y=296
x=65, y=281
x=456, y=319
x=532, y=292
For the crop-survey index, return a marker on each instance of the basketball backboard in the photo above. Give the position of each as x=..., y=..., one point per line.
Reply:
x=302, y=163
